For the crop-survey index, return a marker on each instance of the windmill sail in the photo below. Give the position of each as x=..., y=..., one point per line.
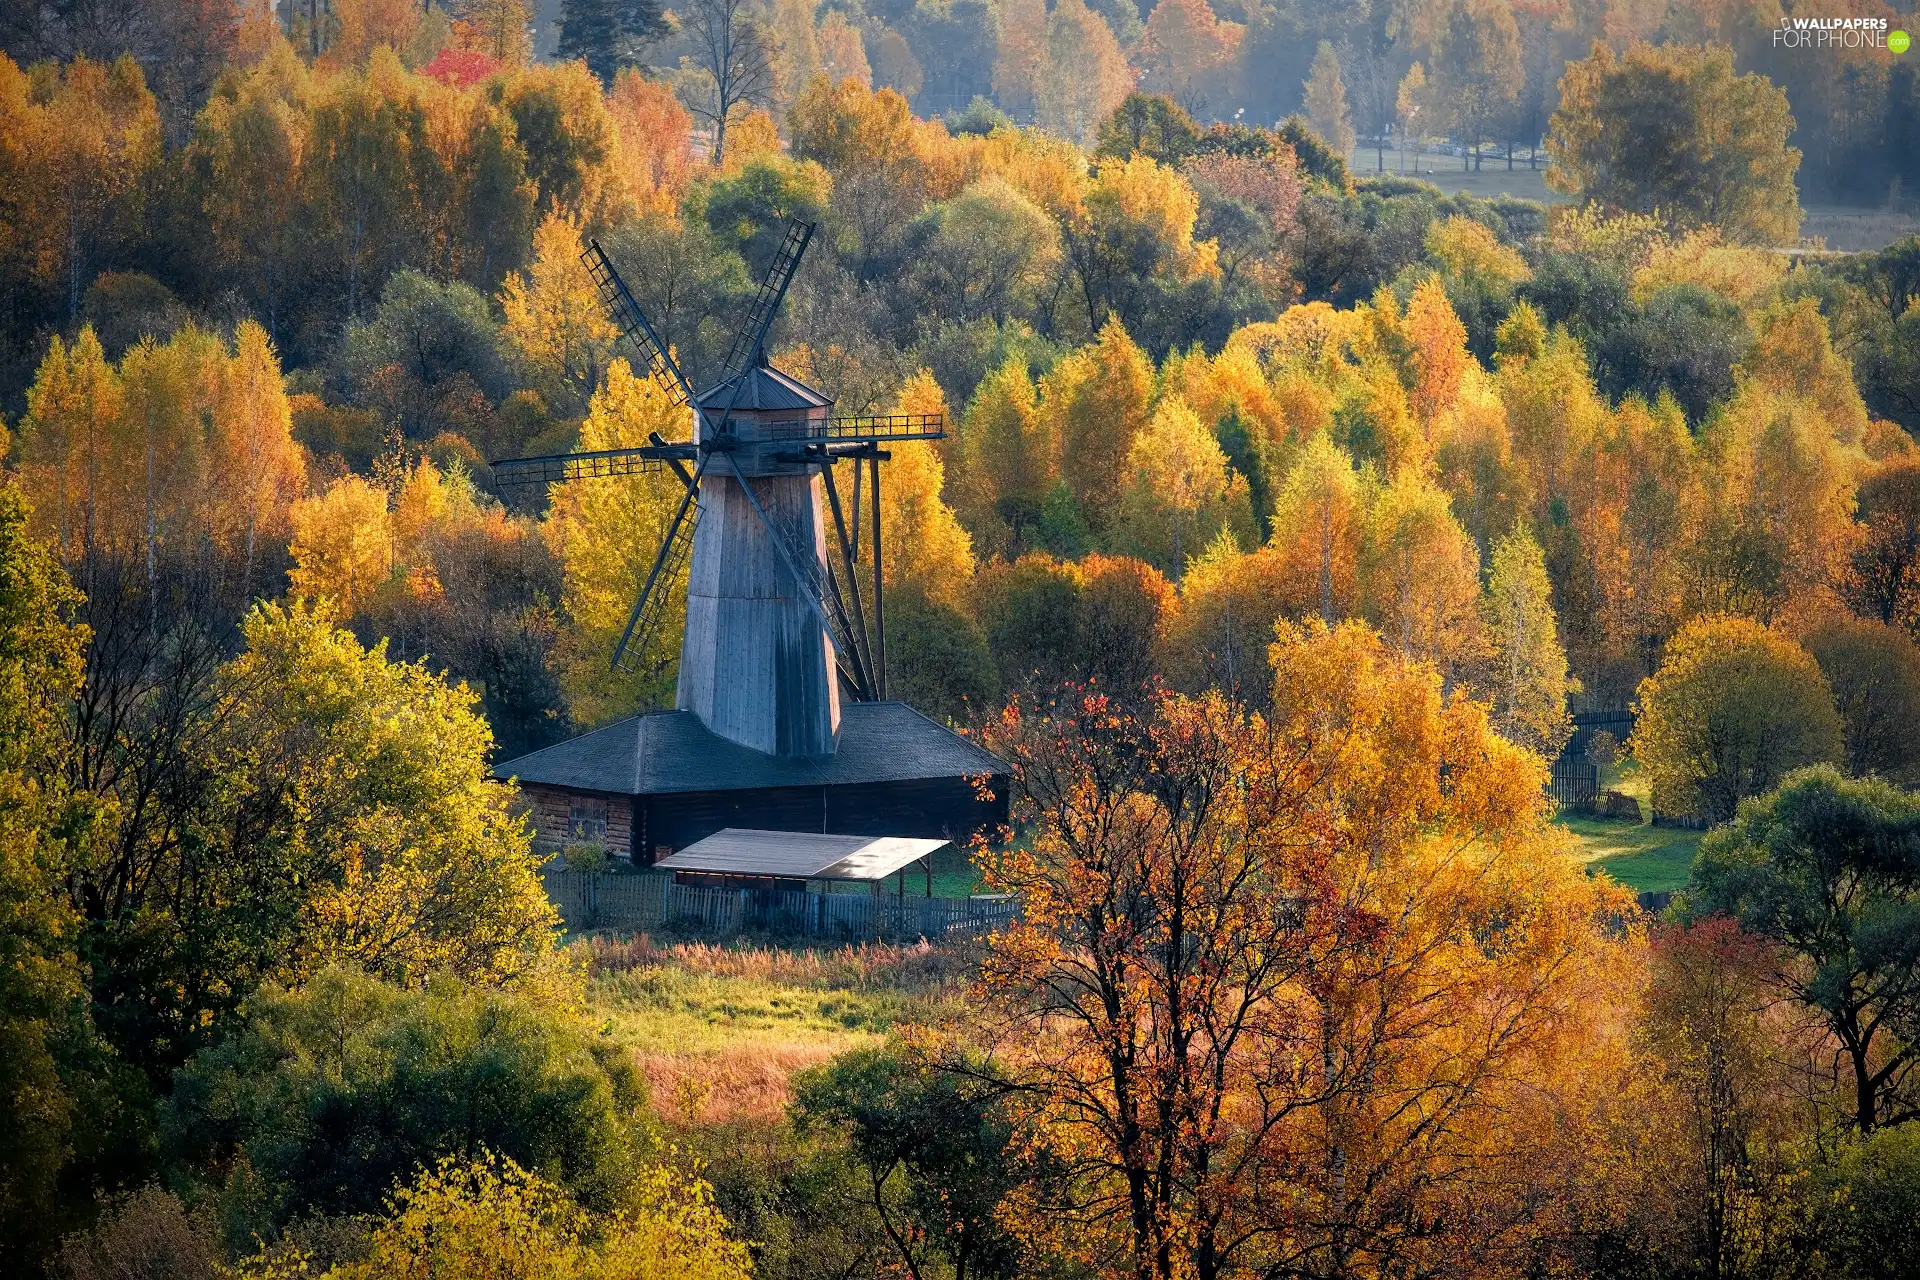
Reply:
x=766, y=303
x=669, y=566
x=632, y=323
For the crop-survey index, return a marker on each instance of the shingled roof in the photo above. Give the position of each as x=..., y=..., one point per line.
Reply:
x=767, y=388
x=671, y=751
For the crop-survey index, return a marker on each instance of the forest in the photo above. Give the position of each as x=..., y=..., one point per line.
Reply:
x=1293, y=521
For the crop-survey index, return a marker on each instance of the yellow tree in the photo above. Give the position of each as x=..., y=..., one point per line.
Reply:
x=1440, y=359
x=1529, y=680
x=1096, y=401
x=843, y=54
x=68, y=444
x=554, y=320
x=1674, y=131
x=259, y=469
x=250, y=144
x=926, y=549
x=605, y=533
x=501, y=29
x=1182, y=491
x=1420, y=579
x=1020, y=64
x=368, y=786
x=1217, y=637
x=1073, y=105
x=1250, y=1006
x=1734, y=707
x=342, y=545
x=1317, y=523
x=1326, y=101
x=91, y=136
x=1010, y=464
x=1187, y=53
x=655, y=141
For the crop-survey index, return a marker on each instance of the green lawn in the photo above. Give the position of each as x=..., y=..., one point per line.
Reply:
x=1649, y=859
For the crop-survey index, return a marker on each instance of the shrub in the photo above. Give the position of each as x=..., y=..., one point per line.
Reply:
x=337, y=1092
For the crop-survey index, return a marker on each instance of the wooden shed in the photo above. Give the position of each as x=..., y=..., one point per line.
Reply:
x=650, y=785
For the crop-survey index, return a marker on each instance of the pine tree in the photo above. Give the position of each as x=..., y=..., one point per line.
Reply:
x=609, y=34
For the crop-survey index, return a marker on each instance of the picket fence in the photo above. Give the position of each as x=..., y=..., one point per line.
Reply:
x=595, y=900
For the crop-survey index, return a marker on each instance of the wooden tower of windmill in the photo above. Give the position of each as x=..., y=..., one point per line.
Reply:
x=781, y=716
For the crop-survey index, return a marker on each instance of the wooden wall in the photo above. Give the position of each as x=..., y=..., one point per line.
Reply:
x=562, y=817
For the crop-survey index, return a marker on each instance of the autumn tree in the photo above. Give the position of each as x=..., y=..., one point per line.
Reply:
x=1420, y=578
x=1529, y=673
x=733, y=52
x=1074, y=105
x=1674, y=130
x=1317, y=522
x=604, y=533
x=1822, y=867
x=1187, y=54
x=342, y=544
x=1733, y=708
x=1181, y=491
x=1874, y=672
x=1883, y=580
x=1097, y=399
x=1476, y=71
x=1326, y=101
x=1020, y=63
x=1010, y=459
x=86, y=142
x=41, y=832
x=1245, y=953
x=926, y=550
x=554, y=321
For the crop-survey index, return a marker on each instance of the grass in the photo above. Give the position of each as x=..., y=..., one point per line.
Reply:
x=718, y=1030
x=1643, y=857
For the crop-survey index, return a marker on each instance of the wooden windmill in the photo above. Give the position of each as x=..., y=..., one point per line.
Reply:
x=776, y=628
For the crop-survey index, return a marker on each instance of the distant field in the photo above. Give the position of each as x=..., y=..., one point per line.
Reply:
x=1844, y=229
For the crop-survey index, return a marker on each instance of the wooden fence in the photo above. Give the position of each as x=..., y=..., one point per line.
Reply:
x=593, y=900
x=1573, y=784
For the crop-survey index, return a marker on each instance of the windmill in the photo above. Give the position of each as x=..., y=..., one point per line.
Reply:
x=776, y=628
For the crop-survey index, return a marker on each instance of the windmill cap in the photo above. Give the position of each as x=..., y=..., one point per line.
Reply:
x=766, y=389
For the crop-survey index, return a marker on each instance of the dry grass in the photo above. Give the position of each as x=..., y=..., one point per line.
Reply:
x=718, y=1029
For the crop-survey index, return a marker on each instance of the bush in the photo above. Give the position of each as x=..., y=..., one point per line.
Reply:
x=336, y=1093
x=1733, y=709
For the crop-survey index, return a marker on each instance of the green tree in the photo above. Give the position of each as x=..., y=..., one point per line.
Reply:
x=41, y=655
x=1874, y=672
x=609, y=34
x=338, y=1091
x=1152, y=124
x=1477, y=74
x=1733, y=708
x=1529, y=676
x=1326, y=101
x=1673, y=130
x=937, y=1154
x=1826, y=867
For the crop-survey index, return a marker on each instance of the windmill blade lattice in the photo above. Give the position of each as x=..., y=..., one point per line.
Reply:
x=633, y=324
x=669, y=566
x=766, y=303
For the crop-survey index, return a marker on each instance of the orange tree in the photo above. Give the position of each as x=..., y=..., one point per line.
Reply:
x=1292, y=993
